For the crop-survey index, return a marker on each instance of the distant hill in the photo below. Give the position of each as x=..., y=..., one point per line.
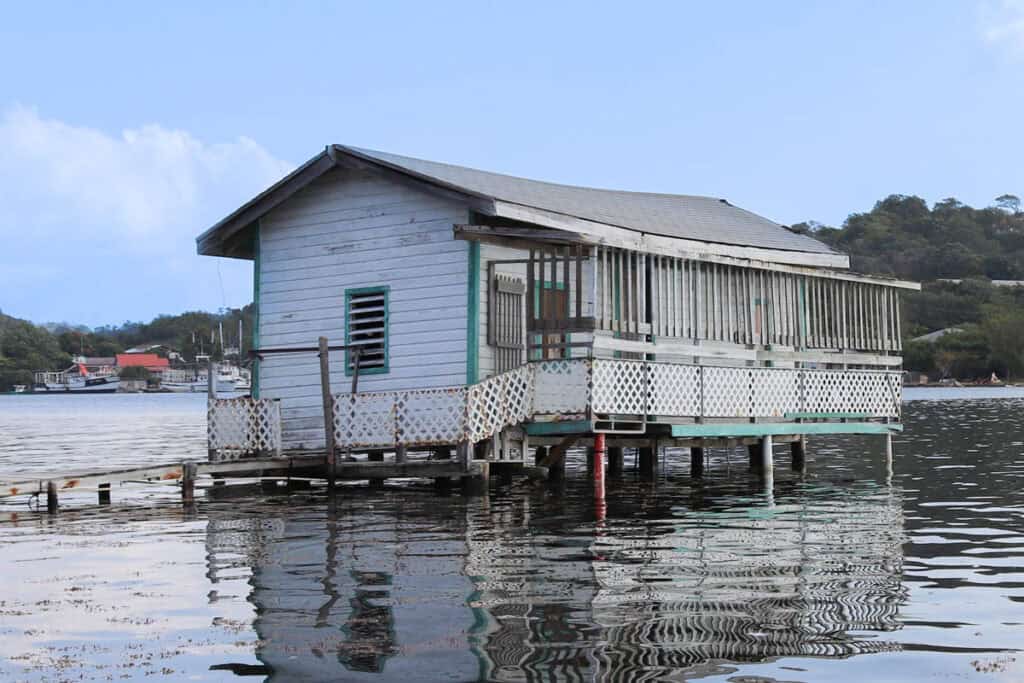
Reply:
x=903, y=237
x=26, y=347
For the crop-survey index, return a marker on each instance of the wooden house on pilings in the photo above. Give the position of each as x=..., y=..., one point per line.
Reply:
x=496, y=315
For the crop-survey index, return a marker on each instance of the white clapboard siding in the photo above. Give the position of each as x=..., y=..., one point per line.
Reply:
x=353, y=229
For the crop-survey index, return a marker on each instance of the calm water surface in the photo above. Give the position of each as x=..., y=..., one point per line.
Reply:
x=839, y=575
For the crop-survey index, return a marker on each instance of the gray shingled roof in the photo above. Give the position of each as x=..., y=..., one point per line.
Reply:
x=684, y=216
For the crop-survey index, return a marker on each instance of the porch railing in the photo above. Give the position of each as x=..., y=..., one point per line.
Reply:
x=585, y=389
x=626, y=387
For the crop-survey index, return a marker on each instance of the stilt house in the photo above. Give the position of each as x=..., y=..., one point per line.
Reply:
x=479, y=308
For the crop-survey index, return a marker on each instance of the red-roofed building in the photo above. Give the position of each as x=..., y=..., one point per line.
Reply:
x=150, y=361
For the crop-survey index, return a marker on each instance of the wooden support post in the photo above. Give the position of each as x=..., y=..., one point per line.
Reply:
x=599, y=454
x=464, y=454
x=767, y=462
x=104, y=494
x=696, y=462
x=540, y=454
x=798, y=451
x=51, y=497
x=888, y=458
x=754, y=455
x=615, y=461
x=443, y=453
x=476, y=484
x=328, y=406
x=188, y=482
x=401, y=454
x=647, y=463
x=376, y=456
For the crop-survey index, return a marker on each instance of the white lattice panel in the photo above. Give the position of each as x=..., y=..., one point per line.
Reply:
x=561, y=387
x=776, y=391
x=365, y=419
x=852, y=391
x=619, y=387
x=498, y=402
x=240, y=426
x=431, y=416
x=727, y=392
x=674, y=390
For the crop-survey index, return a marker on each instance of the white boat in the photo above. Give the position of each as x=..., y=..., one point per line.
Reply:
x=20, y=388
x=79, y=384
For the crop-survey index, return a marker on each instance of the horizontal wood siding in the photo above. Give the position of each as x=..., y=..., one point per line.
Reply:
x=350, y=230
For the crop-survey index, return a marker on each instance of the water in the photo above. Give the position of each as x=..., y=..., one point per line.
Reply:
x=838, y=576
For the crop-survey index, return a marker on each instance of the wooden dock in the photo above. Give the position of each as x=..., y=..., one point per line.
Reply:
x=185, y=474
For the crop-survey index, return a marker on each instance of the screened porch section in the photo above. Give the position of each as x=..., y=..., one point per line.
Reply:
x=610, y=302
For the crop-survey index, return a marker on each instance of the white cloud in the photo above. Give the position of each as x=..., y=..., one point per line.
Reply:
x=146, y=182
x=98, y=227
x=1002, y=24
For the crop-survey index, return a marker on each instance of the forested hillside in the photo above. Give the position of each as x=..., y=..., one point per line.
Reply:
x=903, y=237
x=26, y=347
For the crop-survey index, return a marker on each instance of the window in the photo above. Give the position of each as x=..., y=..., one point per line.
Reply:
x=366, y=327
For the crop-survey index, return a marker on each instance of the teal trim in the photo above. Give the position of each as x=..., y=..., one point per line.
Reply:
x=774, y=428
x=550, y=428
x=256, y=310
x=473, y=316
x=379, y=289
x=827, y=416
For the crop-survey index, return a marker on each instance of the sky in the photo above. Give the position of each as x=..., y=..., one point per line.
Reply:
x=126, y=129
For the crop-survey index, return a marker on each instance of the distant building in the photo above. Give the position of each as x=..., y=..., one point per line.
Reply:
x=150, y=361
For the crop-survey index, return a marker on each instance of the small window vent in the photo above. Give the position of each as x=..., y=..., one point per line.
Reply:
x=366, y=328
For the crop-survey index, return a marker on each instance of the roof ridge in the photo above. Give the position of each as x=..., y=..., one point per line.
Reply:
x=375, y=152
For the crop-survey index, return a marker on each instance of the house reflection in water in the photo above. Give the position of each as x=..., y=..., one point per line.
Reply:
x=451, y=589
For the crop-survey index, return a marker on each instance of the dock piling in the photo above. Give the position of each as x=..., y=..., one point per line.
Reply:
x=188, y=482
x=798, y=451
x=615, y=461
x=328, y=405
x=104, y=494
x=696, y=462
x=767, y=462
x=51, y=497
x=646, y=458
x=754, y=454
x=599, y=451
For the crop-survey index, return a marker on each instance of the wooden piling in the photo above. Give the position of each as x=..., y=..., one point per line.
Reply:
x=443, y=453
x=598, y=455
x=647, y=463
x=375, y=456
x=540, y=454
x=104, y=494
x=464, y=454
x=51, y=497
x=754, y=456
x=188, y=483
x=798, y=453
x=615, y=461
x=401, y=454
x=767, y=461
x=696, y=462
x=888, y=458
x=476, y=484
x=328, y=405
